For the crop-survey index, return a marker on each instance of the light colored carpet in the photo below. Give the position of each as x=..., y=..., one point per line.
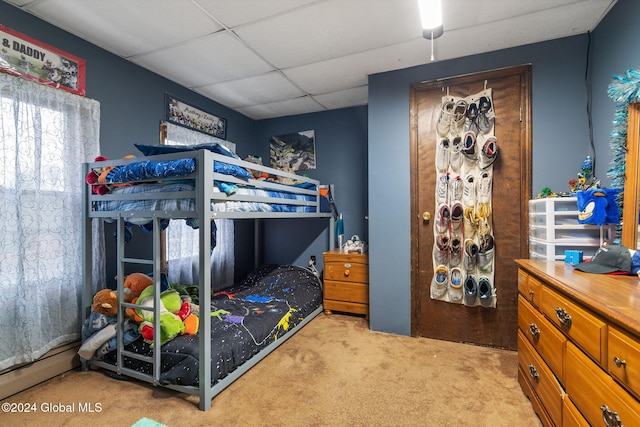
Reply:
x=334, y=372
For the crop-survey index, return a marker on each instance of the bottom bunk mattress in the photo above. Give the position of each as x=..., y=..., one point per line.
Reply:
x=245, y=318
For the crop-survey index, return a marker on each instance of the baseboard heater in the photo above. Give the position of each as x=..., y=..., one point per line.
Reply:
x=55, y=362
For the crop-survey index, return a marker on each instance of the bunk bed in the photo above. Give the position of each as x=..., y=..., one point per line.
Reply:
x=200, y=185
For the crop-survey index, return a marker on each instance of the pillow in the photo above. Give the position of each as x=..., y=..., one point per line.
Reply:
x=153, y=150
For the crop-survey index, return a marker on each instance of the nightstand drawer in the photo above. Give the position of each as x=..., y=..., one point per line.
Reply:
x=346, y=271
x=595, y=393
x=346, y=291
x=624, y=359
x=586, y=330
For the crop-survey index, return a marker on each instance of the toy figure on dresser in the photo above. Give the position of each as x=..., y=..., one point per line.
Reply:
x=586, y=180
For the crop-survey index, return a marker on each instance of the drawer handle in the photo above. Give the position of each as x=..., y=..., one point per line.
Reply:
x=531, y=292
x=619, y=362
x=611, y=418
x=535, y=332
x=346, y=272
x=534, y=373
x=563, y=317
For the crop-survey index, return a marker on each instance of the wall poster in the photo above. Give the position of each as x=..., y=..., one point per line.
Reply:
x=23, y=56
x=293, y=151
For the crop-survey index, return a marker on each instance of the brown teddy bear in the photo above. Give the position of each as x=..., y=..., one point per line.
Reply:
x=134, y=284
x=105, y=302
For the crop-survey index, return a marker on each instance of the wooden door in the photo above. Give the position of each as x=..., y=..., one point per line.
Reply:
x=433, y=318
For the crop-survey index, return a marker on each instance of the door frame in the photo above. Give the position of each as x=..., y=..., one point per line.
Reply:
x=525, y=171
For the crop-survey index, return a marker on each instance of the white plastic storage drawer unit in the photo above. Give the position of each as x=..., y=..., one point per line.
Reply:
x=554, y=229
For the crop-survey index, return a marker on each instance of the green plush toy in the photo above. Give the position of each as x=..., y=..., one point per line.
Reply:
x=171, y=324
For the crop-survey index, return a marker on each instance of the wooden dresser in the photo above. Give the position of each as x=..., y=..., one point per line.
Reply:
x=579, y=345
x=346, y=282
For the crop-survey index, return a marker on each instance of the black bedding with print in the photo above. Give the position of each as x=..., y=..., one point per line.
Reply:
x=244, y=318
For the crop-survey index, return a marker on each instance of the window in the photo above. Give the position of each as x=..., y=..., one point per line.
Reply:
x=45, y=136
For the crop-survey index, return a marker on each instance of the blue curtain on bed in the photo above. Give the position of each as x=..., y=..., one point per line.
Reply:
x=45, y=136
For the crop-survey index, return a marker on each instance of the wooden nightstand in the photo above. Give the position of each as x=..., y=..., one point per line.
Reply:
x=346, y=282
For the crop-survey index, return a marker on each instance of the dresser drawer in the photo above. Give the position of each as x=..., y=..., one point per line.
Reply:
x=345, y=291
x=595, y=393
x=571, y=416
x=529, y=287
x=348, y=271
x=586, y=330
x=542, y=335
x=541, y=379
x=624, y=359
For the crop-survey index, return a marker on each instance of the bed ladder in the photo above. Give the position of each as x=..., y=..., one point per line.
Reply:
x=155, y=263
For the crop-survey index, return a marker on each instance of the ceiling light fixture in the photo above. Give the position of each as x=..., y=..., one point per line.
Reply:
x=431, y=18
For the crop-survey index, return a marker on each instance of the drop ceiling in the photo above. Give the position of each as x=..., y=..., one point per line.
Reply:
x=273, y=58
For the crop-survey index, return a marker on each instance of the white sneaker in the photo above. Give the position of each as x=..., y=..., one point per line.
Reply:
x=455, y=251
x=469, y=190
x=442, y=155
x=455, y=155
x=446, y=116
x=484, y=187
x=443, y=217
x=458, y=117
x=456, y=188
x=440, y=282
x=456, y=280
x=442, y=188
x=457, y=213
x=489, y=153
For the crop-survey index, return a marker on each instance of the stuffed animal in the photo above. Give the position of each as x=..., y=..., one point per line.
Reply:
x=175, y=316
x=93, y=176
x=105, y=302
x=134, y=284
x=598, y=206
x=104, y=310
x=256, y=173
x=98, y=178
x=99, y=330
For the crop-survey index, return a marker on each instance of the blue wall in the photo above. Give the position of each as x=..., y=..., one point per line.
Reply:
x=341, y=159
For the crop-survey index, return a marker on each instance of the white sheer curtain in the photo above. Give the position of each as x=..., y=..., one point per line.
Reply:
x=45, y=136
x=182, y=240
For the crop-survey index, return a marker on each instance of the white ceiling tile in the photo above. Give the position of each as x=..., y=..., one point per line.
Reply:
x=331, y=29
x=205, y=61
x=284, y=108
x=262, y=89
x=127, y=27
x=237, y=12
x=344, y=98
x=537, y=27
x=353, y=70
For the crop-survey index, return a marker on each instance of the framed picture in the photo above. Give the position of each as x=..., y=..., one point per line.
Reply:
x=293, y=151
x=181, y=113
x=23, y=56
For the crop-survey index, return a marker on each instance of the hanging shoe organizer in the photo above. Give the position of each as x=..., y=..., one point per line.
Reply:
x=464, y=247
